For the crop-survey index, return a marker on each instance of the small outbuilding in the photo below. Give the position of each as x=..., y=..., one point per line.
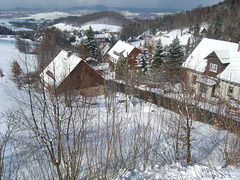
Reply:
x=70, y=73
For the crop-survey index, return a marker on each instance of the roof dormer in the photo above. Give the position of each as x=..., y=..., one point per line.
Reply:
x=217, y=61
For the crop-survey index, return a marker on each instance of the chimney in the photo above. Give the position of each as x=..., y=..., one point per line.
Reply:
x=130, y=42
x=149, y=48
x=69, y=54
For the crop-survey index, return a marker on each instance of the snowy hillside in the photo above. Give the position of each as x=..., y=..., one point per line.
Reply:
x=106, y=18
x=95, y=27
x=167, y=37
x=153, y=142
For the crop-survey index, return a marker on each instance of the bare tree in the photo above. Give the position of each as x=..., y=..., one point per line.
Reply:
x=1, y=73
x=16, y=69
x=53, y=125
x=6, y=136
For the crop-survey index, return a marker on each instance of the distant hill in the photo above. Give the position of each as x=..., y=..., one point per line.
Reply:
x=130, y=9
x=105, y=17
x=146, y=10
x=98, y=8
x=93, y=8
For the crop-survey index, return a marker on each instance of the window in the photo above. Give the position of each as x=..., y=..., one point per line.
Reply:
x=230, y=90
x=194, y=78
x=213, y=67
x=213, y=90
x=203, y=87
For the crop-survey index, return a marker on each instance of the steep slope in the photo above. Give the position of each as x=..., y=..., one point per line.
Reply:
x=223, y=20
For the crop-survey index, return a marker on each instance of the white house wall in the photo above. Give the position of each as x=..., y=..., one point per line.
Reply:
x=221, y=91
x=224, y=91
x=191, y=84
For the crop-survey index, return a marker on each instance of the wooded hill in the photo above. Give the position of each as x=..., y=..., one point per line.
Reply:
x=105, y=17
x=223, y=19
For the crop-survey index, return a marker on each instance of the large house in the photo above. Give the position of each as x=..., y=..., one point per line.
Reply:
x=68, y=72
x=127, y=50
x=213, y=70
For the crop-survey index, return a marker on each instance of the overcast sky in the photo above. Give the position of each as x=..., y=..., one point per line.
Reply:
x=176, y=4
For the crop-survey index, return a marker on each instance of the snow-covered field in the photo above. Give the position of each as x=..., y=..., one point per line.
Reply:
x=8, y=53
x=207, y=143
x=47, y=15
x=6, y=23
x=95, y=27
x=66, y=27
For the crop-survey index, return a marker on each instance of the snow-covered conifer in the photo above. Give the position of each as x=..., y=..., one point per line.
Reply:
x=175, y=53
x=143, y=59
x=121, y=66
x=90, y=43
x=158, y=57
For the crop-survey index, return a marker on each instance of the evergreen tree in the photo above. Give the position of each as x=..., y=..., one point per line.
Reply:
x=188, y=46
x=175, y=53
x=72, y=39
x=196, y=30
x=143, y=59
x=218, y=28
x=158, y=57
x=121, y=66
x=90, y=43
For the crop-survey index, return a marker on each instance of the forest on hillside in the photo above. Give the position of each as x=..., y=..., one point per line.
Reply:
x=107, y=17
x=223, y=20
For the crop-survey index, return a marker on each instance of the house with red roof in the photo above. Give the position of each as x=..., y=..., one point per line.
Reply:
x=127, y=50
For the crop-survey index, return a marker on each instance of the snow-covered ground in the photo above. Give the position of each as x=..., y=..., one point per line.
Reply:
x=99, y=27
x=47, y=15
x=207, y=141
x=167, y=37
x=130, y=14
x=66, y=27
x=95, y=27
x=8, y=52
x=6, y=23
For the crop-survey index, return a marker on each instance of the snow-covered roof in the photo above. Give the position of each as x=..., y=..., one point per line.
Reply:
x=227, y=53
x=105, y=49
x=232, y=71
x=61, y=66
x=104, y=35
x=223, y=55
x=120, y=47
